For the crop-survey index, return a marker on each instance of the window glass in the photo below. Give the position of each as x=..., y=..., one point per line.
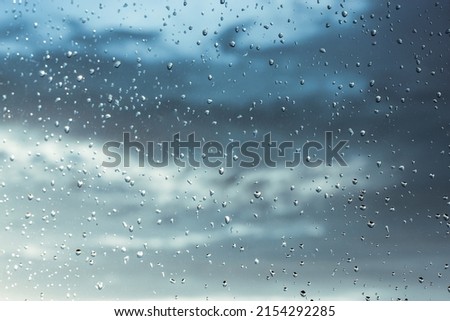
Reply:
x=289, y=150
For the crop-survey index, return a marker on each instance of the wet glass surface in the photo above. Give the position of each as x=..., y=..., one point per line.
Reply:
x=76, y=75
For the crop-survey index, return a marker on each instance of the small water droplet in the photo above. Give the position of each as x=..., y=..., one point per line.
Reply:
x=227, y=219
x=371, y=224
x=257, y=194
x=99, y=285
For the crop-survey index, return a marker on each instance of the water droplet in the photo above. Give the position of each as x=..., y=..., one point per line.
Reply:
x=117, y=64
x=378, y=99
x=66, y=129
x=99, y=285
x=356, y=268
x=303, y=293
x=322, y=50
x=421, y=279
x=373, y=32
x=227, y=219
x=169, y=66
x=232, y=44
x=221, y=171
x=371, y=224
x=344, y=13
x=224, y=284
x=257, y=194
x=140, y=254
x=78, y=252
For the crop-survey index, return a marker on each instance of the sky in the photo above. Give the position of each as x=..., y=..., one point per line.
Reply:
x=78, y=74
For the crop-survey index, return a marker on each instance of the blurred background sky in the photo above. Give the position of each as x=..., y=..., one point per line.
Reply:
x=76, y=74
